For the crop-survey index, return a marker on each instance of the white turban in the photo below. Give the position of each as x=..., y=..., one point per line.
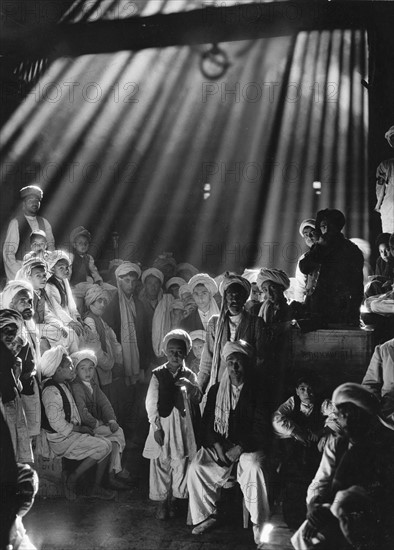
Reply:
x=25, y=272
x=55, y=257
x=232, y=279
x=95, y=292
x=185, y=269
x=175, y=281
x=51, y=359
x=274, y=275
x=251, y=275
x=127, y=267
x=10, y=317
x=198, y=334
x=154, y=272
x=309, y=222
x=205, y=280
x=79, y=356
x=358, y=395
x=389, y=133
x=240, y=346
x=184, y=291
x=11, y=290
x=177, y=334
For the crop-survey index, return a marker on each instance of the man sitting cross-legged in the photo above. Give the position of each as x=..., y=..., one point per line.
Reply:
x=234, y=431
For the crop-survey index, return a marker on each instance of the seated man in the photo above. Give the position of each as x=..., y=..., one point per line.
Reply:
x=66, y=437
x=355, y=481
x=379, y=378
x=234, y=432
x=272, y=284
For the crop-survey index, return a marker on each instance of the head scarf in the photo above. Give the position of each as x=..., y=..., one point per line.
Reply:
x=178, y=334
x=389, y=133
x=186, y=271
x=154, y=272
x=358, y=395
x=127, y=267
x=198, y=335
x=333, y=216
x=11, y=290
x=205, y=280
x=239, y=346
x=79, y=356
x=274, y=275
x=184, y=291
x=309, y=222
x=51, y=359
x=31, y=190
x=250, y=275
x=95, y=292
x=10, y=317
x=232, y=279
x=175, y=281
x=77, y=232
x=55, y=257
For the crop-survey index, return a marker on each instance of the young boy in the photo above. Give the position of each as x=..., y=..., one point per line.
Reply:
x=96, y=411
x=67, y=437
x=60, y=296
x=193, y=359
x=170, y=443
x=39, y=245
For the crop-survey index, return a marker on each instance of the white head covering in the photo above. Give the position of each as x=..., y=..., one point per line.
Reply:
x=55, y=257
x=232, y=279
x=127, y=267
x=358, y=395
x=389, y=133
x=198, y=334
x=10, y=317
x=153, y=271
x=251, y=275
x=95, y=292
x=239, y=346
x=11, y=290
x=178, y=334
x=25, y=272
x=187, y=270
x=205, y=280
x=51, y=359
x=184, y=291
x=79, y=356
x=309, y=222
x=274, y=275
x=175, y=281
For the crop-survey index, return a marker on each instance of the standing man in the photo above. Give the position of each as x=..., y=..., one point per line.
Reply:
x=385, y=188
x=17, y=243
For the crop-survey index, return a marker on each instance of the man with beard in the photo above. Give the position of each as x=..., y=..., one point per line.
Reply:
x=17, y=240
x=233, y=323
x=18, y=295
x=350, y=502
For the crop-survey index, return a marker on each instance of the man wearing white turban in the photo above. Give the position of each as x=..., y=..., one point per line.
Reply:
x=62, y=423
x=203, y=289
x=233, y=323
x=272, y=284
x=385, y=188
x=360, y=461
x=235, y=431
x=301, y=281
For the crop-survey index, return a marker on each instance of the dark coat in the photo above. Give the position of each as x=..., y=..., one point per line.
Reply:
x=192, y=322
x=92, y=407
x=249, y=424
x=339, y=288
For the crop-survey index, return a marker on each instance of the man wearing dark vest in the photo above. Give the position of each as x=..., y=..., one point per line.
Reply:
x=17, y=242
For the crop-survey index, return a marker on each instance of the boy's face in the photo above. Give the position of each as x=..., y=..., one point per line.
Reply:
x=175, y=353
x=16, y=346
x=305, y=393
x=38, y=278
x=65, y=371
x=174, y=290
x=152, y=287
x=39, y=243
x=271, y=292
x=201, y=296
x=198, y=346
x=307, y=233
x=61, y=269
x=8, y=334
x=99, y=305
x=384, y=252
x=128, y=283
x=81, y=244
x=85, y=370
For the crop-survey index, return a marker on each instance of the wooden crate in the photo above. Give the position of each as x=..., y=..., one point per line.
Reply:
x=335, y=356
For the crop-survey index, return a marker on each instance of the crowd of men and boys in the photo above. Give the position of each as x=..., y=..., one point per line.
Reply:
x=193, y=370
